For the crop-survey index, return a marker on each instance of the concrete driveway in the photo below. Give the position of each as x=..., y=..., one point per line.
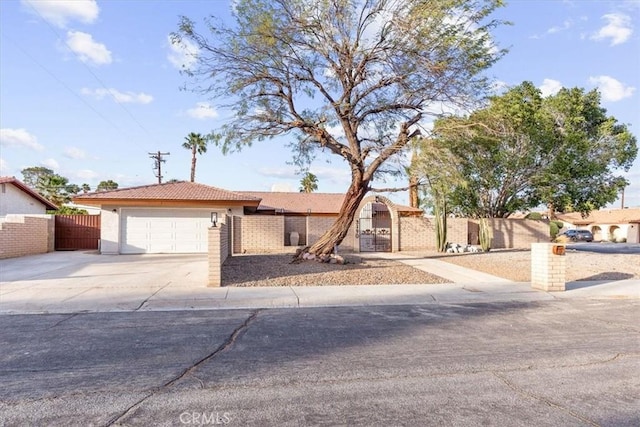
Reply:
x=84, y=281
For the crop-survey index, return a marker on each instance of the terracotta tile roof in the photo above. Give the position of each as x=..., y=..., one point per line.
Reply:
x=603, y=216
x=168, y=191
x=318, y=203
x=23, y=187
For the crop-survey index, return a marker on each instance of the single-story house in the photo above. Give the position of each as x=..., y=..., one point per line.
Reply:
x=174, y=217
x=17, y=198
x=162, y=218
x=616, y=225
x=25, y=228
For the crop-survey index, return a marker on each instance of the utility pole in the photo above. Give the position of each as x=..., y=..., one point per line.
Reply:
x=157, y=164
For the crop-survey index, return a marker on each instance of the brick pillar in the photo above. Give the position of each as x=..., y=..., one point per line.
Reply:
x=548, y=265
x=215, y=257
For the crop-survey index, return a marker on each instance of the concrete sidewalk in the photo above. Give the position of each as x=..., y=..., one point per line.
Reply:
x=85, y=282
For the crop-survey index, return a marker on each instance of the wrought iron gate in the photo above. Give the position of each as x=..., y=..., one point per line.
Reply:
x=374, y=228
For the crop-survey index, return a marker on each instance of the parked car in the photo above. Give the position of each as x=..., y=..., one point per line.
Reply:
x=579, y=235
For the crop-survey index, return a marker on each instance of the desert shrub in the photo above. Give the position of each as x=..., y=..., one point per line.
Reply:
x=534, y=215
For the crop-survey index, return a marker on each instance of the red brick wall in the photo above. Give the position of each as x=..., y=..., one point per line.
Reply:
x=26, y=235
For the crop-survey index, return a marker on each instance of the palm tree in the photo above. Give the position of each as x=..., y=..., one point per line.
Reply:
x=309, y=183
x=85, y=188
x=197, y=144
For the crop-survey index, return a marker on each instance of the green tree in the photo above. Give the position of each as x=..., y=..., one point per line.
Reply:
x=197, y=144
x=355, y=78
x=522, y=150
x=85, y=188
x=308, y=183
x=51, y=186
x=32, y=176
x=107, y=185
x=69, y=210
x=434, y=165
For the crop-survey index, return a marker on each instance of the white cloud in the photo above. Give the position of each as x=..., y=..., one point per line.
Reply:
x=4, y=167
x=19, y=138
x=558, y=28
x=74, y=153
x=550, y=87
x=85, y=174
x=60, y=12
x=282, y=187
x=339, y=176
x=120, y=97
x=618, y=29
x=612, y=90
x=50, y=163
x=283, y=172
x=88, y=50
x=202, y=110
x=182, y=54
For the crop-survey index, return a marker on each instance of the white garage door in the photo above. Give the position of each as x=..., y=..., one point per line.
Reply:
x=157, y=231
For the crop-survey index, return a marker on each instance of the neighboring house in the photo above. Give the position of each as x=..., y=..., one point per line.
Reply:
x=17, y=198
x=25, y=229
x=615, y=225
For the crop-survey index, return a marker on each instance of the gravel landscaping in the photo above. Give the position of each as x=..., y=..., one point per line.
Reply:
x=277, y=269
x=516, y=264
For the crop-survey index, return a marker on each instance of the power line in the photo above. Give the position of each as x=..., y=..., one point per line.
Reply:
x=157, y=165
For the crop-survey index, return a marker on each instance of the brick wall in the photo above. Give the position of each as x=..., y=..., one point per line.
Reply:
x=218, y=252
x=26, y=235
x=513, y=233
x=261, y=234
x=297, y=224
x=547, y=269
x=417, y=233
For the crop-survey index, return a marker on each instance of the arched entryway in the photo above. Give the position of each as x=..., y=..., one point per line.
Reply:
x=597, y=233
x=375, y=225
x=615, y=234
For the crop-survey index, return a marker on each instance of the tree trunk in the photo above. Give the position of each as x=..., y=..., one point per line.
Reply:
x=337, y=232
x=414, y=201
x=193, y=164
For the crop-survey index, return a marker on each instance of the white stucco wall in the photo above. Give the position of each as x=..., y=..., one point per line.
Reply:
x=16, y=201
x=109, y=230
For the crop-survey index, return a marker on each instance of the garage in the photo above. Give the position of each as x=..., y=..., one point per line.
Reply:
x=159, y=230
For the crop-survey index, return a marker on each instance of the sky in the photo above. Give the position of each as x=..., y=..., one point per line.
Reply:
x=91, y=88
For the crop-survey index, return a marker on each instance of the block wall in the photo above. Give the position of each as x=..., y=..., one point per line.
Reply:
x=513, y=233
x=297, y=224
x=218, y=253
x=22, y=235
x=261, y=234
x=547, y=269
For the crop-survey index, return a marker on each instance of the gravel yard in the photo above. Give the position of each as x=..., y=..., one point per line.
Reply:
x=277, y=270
x=516, y=264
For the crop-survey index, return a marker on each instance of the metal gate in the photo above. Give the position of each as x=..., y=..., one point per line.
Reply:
x=374, y=228
x=77, y=232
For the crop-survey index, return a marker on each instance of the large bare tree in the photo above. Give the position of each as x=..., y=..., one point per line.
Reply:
x=354, y=77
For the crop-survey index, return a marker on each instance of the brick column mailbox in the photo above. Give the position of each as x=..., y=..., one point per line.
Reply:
x=218, y=252
x=548, y=266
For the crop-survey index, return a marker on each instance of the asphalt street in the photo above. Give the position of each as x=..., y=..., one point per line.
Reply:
x=545, y=363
